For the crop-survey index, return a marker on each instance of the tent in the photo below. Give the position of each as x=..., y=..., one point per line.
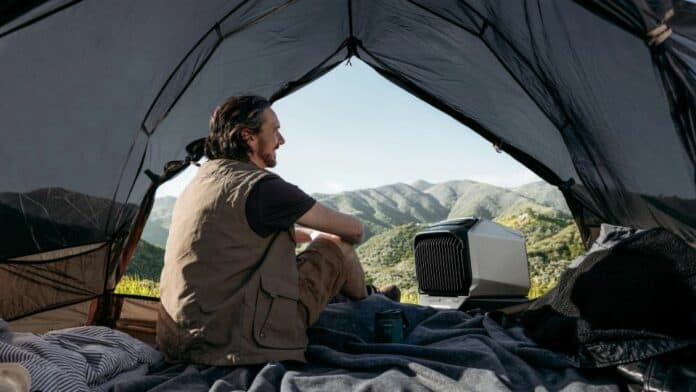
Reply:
x=98, y=100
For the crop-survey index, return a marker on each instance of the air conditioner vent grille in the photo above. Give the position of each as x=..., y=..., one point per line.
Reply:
x=442, y=265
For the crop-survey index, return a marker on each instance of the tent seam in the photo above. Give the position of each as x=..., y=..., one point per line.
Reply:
x=528, y=65
x=286, y=89
x=449, y=20
x=10, y=261
x=483, y=28
x=39, y=18
x=120, y=178
x=136, y=296
x=104, y=294
x=350, y=17
x=183, y=59
x=205, y=61
x=132, y=186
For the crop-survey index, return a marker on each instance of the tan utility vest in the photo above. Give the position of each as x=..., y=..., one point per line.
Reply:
x=219, y=305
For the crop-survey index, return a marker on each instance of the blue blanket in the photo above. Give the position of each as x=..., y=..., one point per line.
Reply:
x=442, y=351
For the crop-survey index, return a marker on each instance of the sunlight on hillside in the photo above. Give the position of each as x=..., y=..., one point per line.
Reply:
x=136, y=286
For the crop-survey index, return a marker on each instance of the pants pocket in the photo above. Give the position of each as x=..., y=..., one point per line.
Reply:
x=277, y=323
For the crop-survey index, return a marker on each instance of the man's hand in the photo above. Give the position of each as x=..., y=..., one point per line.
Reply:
x=303, y=235
x=324, y=219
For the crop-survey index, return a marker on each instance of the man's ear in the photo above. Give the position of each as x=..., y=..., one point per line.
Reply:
x=247, y=136
x=249, y=139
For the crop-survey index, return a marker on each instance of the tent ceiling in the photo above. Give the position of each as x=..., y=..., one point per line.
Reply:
x=98, y=92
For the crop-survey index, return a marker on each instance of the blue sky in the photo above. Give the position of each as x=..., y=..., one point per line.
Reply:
x=353, y=129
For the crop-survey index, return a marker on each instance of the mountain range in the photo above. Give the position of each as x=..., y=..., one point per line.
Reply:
x=387, y=206
x=394, y=213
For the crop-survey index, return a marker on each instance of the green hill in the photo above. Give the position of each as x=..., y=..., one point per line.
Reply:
x=469, y=198
x=535, y=225
x=388, y=258
x=544, y=194
x=490, y=205
x=447, y=193
x=566, y=244
x=385, y=207
x=552, y=243
x=147, y=262
x=547, y=237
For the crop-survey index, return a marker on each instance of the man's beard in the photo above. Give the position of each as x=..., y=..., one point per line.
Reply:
x=269, y=159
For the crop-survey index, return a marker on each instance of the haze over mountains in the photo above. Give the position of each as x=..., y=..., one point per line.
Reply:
x=388, y=206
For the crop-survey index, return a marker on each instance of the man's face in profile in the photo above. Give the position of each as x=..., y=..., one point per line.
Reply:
x=267, y=141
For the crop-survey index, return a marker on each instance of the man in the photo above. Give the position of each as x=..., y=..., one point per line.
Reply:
x=232, y=290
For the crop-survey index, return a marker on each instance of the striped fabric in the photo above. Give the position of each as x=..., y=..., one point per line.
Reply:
x=74, y=359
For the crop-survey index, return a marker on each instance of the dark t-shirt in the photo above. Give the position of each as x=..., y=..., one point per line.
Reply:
x=274, y=204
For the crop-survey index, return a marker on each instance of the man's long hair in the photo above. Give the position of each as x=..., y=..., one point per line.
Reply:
x=226, y=124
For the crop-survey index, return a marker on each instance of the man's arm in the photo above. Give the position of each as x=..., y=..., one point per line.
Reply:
x=323, y=218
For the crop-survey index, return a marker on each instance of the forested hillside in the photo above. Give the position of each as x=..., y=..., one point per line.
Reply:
x=394, y=213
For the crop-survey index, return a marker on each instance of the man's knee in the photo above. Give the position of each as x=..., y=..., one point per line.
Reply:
x=345, y=247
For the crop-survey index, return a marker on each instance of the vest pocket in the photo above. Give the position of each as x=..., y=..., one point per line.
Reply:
x=277, y=323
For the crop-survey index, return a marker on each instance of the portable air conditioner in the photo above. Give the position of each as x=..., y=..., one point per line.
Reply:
x=471, y=262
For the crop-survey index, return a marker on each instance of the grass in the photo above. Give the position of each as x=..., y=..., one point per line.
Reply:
x=409, y=298
x=130, y=284
x=148, y=288
x=134, y=285
x=540, y=286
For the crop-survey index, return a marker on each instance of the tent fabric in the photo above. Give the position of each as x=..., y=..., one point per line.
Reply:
x=138, y=317
x=95, y=93
x=60, y=318
x=592, y=314
x=32, y=286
